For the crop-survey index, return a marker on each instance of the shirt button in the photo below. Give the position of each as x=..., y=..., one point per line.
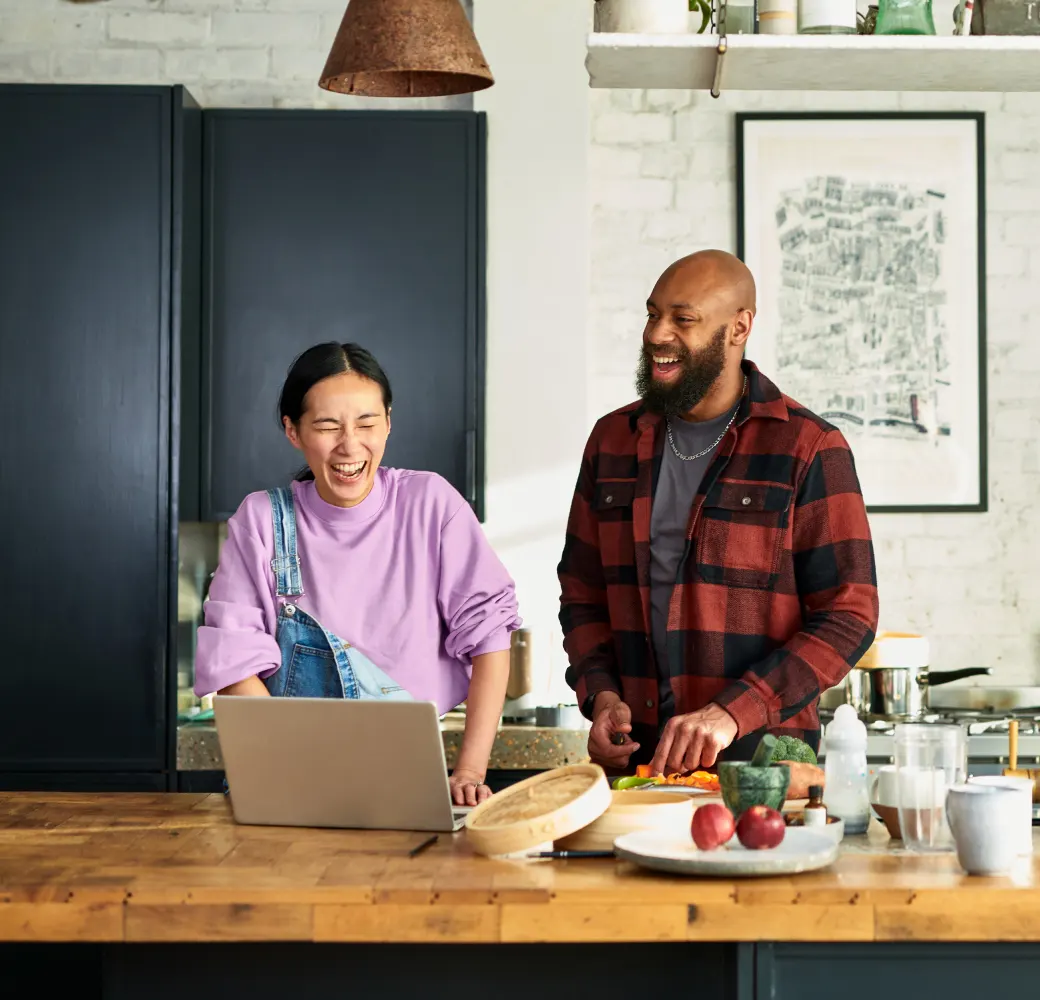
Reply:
x=746, y=501
x=609, y=499
x=649, y=702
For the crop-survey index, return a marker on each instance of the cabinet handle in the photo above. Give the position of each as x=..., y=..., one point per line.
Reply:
x=471, y=466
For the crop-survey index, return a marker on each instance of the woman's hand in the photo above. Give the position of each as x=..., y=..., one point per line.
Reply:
x=467, y=787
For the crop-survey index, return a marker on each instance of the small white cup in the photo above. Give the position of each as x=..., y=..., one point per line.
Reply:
x=983, y=819
x=1023, y=787
x=885, y=791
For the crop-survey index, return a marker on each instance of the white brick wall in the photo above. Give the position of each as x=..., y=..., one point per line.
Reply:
x=228, y=53
x=971, y=582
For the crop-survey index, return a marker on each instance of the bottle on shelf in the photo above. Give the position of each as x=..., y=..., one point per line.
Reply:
x=778, y=17
x=737, y=17
x=904, y=17
x=827, y=17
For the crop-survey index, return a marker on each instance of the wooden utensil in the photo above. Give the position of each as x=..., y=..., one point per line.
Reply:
x=1013, y=771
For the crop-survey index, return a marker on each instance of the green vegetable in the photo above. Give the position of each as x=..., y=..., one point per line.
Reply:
x=793, y=749
x=631, y=781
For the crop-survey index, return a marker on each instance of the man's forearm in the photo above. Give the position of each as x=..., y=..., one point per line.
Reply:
x=487, y=694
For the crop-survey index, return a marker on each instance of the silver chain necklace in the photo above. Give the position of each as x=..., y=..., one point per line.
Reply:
x=711, y=447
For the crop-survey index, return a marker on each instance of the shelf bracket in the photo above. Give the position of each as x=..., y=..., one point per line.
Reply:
x=720, y=52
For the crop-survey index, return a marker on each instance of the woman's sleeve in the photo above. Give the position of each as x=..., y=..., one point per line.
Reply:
x=236, y=641
x=476, y=595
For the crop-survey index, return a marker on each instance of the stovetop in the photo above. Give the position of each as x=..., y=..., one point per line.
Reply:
x=987, y=734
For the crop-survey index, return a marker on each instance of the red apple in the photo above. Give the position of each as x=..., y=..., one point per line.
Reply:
x=760, y=828
x=712, y=826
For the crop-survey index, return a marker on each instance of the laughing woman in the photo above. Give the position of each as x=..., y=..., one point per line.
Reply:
x=360, y=581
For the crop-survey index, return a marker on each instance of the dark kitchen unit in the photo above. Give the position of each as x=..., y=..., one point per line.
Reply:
x=347, y=226
x=99, y=196
x=160, y=266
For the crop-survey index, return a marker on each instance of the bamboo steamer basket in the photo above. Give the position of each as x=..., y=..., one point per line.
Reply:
x=539, y=810
x=632, y=810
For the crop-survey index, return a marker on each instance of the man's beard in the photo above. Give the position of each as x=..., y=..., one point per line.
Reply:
x=700, y=372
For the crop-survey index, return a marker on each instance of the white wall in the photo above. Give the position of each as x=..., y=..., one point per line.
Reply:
x=538, y=260
x=662, y=184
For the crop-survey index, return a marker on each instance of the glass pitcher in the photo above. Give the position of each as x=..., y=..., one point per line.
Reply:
x=904, y=17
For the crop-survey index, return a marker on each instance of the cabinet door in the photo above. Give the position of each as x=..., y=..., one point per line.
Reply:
x=84, y=395
x=324, y=226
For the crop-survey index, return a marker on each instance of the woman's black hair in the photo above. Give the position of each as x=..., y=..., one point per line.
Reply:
x=320, y=362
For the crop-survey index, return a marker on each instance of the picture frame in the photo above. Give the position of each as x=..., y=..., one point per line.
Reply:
x=865, y=232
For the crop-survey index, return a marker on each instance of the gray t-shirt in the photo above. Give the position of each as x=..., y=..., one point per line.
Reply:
x=677, y=485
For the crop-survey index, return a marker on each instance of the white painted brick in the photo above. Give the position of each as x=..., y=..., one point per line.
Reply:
x=329, y=24
x=248, y=29
x=694, y=194
x=667, y=226
x=640, y=194
x=668, y=100
x=613, y=161
x=158, y=28
x=1002, y=196
x=949, y=101
x=1026, y=103
x=1017, y=165
x=217, y=64
x=701, y=125
x=24, y=65
x=68, y=26
x=1022, y=230
x=664, y=161
x=1004, y=261
x=969, y=551
x=108, y=65
x=297, y=64
x=974, y=618
x=628, y=100
x=619, y=128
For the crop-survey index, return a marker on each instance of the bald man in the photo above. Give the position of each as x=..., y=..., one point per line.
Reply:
x=718, y=573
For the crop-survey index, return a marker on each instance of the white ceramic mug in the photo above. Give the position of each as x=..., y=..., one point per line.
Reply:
x=1024, y=789
x=883, y=790
x=983, y=821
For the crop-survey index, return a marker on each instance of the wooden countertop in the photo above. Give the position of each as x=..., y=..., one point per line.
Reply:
x=123, y=867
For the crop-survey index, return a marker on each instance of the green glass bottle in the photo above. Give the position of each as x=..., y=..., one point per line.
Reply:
x=904, y=17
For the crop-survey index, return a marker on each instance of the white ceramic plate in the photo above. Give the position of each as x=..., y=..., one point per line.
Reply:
x=800, y=851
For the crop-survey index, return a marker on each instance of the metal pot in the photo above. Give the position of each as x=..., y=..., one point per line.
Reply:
x=898, y=692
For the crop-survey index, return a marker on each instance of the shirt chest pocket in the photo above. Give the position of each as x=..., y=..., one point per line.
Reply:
x=613, y=500
x=740, y=537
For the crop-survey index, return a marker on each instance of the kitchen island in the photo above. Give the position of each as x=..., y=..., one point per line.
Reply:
x=168, y=885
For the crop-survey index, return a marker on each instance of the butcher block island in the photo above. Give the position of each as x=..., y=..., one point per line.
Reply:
x=124, y=867
x=175, y=874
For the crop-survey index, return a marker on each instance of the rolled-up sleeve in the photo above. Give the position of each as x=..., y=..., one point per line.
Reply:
x=236, y=641
x=475, y=593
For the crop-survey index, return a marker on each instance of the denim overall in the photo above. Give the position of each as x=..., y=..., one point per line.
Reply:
x=315, y=662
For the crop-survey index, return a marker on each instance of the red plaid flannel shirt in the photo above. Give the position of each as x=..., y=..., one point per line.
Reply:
x=776, y=594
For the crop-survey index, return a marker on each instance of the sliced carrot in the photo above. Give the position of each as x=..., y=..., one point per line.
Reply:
x=643, y=771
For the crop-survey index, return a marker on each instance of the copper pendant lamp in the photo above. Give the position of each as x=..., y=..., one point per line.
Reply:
x=405, y=48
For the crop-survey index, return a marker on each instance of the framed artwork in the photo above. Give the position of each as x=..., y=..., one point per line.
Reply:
x=866, y=237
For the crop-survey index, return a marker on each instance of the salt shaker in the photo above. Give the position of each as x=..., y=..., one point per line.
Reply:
x=846, y=795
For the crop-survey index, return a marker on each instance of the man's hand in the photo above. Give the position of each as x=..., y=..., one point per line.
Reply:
x=694, y=741
x=611, y=716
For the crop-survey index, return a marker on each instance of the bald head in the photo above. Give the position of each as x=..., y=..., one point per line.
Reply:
x=698, y=319
x=716, y=273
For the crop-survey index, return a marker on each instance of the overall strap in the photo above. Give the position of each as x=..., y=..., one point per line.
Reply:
x=286, y=561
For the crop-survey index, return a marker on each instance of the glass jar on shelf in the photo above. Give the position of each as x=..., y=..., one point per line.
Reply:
x=827, y=17
x=904, y=17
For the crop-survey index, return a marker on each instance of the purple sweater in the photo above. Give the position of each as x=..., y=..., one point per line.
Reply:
x=407, y=576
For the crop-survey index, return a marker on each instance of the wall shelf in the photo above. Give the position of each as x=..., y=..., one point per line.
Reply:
x=806, y=62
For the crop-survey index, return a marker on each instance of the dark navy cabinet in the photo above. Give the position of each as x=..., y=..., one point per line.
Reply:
x=94, y=286
x=346, y=226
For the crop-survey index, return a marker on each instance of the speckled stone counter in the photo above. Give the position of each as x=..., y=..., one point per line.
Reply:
x=516, y=748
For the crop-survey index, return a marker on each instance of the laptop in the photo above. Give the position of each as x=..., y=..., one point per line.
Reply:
x=364, y=765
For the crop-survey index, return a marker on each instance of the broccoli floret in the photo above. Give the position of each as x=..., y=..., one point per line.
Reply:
x=793, y=749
